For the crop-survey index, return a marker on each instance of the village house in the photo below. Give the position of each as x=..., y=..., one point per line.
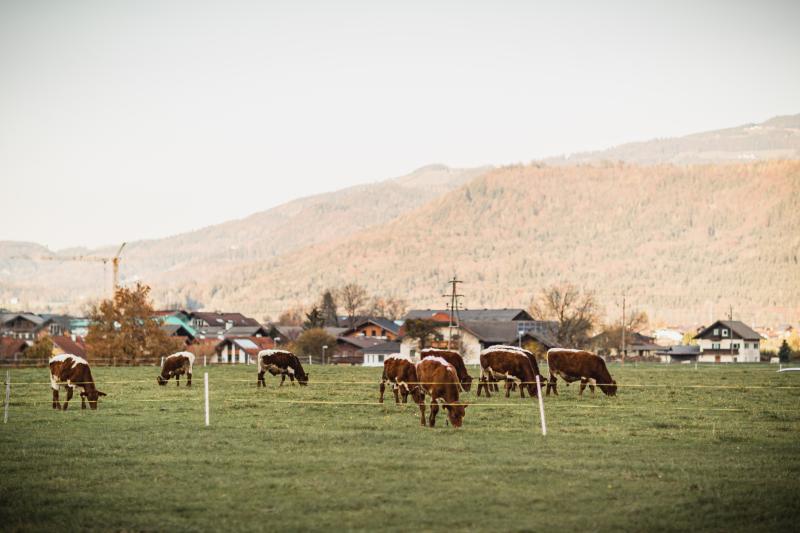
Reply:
x=679, y=354
x=350, y=350
x=240, y=350
x=27, y=326
x=377, y=354
x=377, y=327
x=480, y=329
x=13, y=349
x=728, y=341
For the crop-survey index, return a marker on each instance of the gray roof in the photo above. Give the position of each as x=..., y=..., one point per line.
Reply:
x=490, y=331
x=680, y=350
x=246, y=331
x=361, y=342
x=740, y=328
x=381, y=322
x=384, y=348
x=36, y=319
x=474, y=314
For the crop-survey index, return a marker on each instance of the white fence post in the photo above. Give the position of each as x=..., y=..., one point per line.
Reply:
x=204, y=360
x=162, y=361
x=205, y=380
x=8, y=395
x=541, y=405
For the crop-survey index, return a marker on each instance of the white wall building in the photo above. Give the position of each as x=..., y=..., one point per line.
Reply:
x=728, y=341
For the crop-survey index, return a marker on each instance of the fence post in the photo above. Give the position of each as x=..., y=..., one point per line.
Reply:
x=162, y=361
x=205, y=381
x=541, y=405
x=204, y=360
x=8, y=394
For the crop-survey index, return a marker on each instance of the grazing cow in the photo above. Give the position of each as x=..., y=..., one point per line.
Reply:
x=511, y=364
x=439, y=380
x=402, y=374
x=283, y=363
x=455, y=359
x=176, y=365
x=71, y=371
x=574, y=365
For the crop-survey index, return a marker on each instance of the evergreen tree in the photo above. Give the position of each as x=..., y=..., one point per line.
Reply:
x=328, y=309
x=784, y=353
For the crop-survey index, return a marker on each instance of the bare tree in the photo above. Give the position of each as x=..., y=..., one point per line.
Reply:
x=573, y=313
x=612, y=333
x=352, y=298
x=391, y=308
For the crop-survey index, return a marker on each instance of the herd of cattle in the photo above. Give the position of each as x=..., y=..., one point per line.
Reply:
x=439, y=374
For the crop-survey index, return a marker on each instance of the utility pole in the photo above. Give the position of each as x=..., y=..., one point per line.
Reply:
x=623, y=328
x=453, y=306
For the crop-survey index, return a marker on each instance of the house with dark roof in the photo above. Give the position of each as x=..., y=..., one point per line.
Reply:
x=377, y=354
x=350, y=350
x=378, y=327
x=202, y=320
x=475, y=335
x=256, y=330
x=26, y=326
x=728, y=341
x=482, y=315
x=679, y=354
x=636, y=345
x=241, y=350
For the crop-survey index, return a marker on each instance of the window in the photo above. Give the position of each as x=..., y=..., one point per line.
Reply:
x=715, y=346
x=716, y=331
x=724, y=332
x=735, y=345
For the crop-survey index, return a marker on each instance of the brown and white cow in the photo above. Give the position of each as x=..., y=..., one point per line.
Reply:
x=574, y=365
x=176, y=365
x=455, y=359
x=402, y=374
x=439, y=380
x=280, y=362
x=72, y=371
x=511, y=364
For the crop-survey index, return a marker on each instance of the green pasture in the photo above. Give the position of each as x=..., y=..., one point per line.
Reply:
x=664, y=455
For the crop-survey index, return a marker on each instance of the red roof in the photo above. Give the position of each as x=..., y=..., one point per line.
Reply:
x=9, y=347
x=67, y=345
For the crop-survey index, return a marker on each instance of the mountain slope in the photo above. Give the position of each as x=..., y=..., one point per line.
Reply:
x=299, y=223
x=681, y=241
x=777, y=138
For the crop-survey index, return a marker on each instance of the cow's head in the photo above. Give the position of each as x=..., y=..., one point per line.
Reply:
x=455, y=414
x=466, y=383
x=302, y=380
x=609, y=390
x=162, y=380
x=92, y=396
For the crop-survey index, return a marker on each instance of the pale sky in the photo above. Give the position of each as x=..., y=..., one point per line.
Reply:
x=129, y=120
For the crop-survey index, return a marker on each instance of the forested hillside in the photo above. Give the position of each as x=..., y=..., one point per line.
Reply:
x=681, y=241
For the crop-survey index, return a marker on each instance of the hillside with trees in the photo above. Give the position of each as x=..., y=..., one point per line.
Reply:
x=683, y=243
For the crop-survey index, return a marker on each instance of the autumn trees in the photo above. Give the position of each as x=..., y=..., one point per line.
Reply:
x=352, y=299
x=572, y=313
x=125, y=330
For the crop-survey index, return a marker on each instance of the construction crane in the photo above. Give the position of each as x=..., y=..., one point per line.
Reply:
x=90, y=258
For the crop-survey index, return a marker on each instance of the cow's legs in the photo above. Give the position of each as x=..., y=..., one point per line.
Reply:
x=434, y=410
x=69, y=397
x=521, y=389
x=383, y=389
x=396, y=393
x=584, y=381
x=189, y=379
x=422, y=411
x=404, y=391
x=260, y=382
x=552, y=385
x=177, y=380
x=56, y=404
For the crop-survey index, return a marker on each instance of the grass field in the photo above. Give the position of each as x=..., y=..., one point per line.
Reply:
x=660, y=456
